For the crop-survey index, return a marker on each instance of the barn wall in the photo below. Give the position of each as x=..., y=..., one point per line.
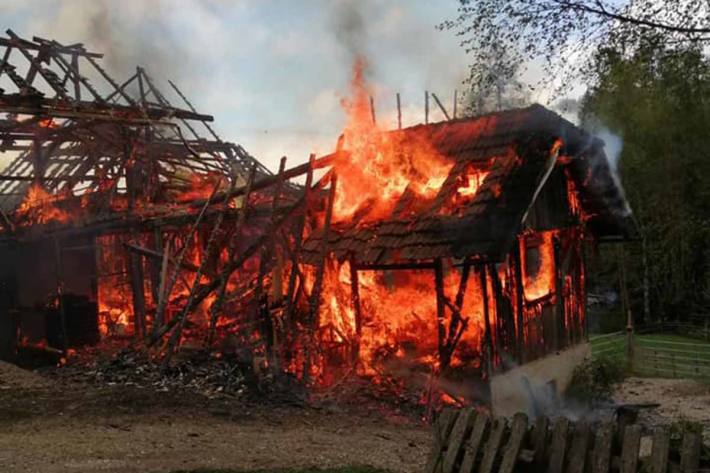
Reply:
x=530, y=327
x=28, y=286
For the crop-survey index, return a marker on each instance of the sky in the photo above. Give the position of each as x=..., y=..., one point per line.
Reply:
x=271, y=72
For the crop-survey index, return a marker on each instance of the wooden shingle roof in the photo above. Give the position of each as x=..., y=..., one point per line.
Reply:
x=513, y=147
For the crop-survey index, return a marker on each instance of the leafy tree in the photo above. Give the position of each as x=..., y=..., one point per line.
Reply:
x=657, y=98
x=562, y=34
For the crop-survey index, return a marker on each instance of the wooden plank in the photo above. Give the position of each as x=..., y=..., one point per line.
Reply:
x=461, y=429
x=539, y=436
x=474, y=443
x=442, y=428
x=630, y=448
x=558, y=445
x=659, y=450
x=602, y=449
x=690, y=452
x=577, y=458
x=515, y=441
x=490, y=451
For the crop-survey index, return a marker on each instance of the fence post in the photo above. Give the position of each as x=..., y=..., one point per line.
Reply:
x=630, y=340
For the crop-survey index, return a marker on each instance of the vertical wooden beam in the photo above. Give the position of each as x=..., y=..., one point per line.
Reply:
x=440, y=307
x=262, y=299
x=399, y=112
x=291, y=295
x=231, y=249
x=60, y=293
x=141, y=86
x=136, y=277
x=560, y=328
x=77, y=80
x=314, y=318
x=355, y=298
x=458, y=302
x=160, y=301
x=519, y=299
x=372, y=110
x=426, y=107
x=154, y=265
x=38, y=166
x=488, y=335
x=456, y=102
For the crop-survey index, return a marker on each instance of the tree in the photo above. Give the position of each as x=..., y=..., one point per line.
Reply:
x=657, y=98
x=562, y=34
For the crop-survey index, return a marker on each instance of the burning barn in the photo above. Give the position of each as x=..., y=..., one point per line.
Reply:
x=441, y=254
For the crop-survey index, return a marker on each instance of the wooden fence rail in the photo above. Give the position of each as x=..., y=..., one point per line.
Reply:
x=656, y=355
x=466, y=441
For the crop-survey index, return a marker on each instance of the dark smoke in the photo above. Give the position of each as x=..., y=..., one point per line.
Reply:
x=349, y=27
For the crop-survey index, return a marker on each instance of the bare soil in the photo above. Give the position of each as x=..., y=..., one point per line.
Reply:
x=49, y=424
x=680, y=400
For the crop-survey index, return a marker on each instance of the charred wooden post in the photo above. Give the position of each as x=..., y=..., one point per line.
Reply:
x=313, y=316
x=355, y=299
x=505, y=325
x=136, y=277
x=488, y=335
x=154, y=264
x=426, y=107
x=182, y=318
x=372, y=110
x=519, y=300
x=559, y=297
x=440, y=307
x=262, y=298
x=169, y=287
x=441, y=106
x=458, y=302
x=298, y=243
x=60, y=294
x=160, y=301
x=399, y=112
x=455, y=104
x=231, y=250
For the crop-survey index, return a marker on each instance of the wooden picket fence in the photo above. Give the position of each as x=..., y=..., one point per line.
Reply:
x=466, y=441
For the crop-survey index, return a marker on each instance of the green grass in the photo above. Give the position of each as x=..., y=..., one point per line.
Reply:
x=349, y=469
x=657, y=355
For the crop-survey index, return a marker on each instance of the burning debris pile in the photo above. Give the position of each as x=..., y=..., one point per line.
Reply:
x=433, y=256
x=212, y=375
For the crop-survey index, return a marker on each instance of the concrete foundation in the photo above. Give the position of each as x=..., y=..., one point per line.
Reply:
x=533, y=388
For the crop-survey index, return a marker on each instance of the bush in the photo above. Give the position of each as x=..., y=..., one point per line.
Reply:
x=593, y=381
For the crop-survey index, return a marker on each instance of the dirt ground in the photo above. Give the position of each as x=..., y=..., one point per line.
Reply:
x=51, y=425
x=679, y=399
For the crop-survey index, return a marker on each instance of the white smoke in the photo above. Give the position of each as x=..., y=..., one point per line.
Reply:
x=613, y=146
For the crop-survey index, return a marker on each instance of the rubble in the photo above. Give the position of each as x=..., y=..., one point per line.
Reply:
x=213, y=375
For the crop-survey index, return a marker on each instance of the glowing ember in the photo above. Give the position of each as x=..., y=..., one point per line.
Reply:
x=39, y=206
x=539, y=267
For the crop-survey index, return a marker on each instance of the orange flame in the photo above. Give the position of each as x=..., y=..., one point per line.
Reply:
x=39, y=206
x=381, y=166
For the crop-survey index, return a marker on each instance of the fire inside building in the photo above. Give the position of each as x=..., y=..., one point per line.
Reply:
x=446, y=253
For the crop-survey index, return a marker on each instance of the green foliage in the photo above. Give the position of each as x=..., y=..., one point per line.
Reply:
x=657, y=99
x=593, y=381
x=504, y=36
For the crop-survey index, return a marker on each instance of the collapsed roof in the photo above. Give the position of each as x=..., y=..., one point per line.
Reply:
x=66, y=125
x=514, y=149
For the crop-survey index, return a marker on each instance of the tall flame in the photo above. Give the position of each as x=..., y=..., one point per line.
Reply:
x=381, y=166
